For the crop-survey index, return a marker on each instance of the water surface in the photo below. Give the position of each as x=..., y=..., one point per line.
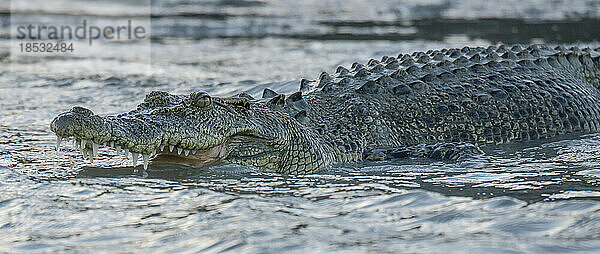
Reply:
x=539, y=197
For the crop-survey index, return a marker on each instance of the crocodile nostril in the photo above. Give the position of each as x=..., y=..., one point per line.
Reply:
x=63, y=125
x=82, y=111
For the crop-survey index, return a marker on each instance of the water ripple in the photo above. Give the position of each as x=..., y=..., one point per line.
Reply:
x=539, y=197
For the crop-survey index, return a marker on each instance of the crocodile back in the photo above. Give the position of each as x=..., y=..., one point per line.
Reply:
x=479, y=95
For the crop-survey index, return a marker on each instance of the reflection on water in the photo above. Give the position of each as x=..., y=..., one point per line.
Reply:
x=534, y=197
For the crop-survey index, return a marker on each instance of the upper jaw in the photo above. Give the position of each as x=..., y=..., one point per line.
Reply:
x=139, y=135
x=82, y=123
x=133, y=134
x=89, y=131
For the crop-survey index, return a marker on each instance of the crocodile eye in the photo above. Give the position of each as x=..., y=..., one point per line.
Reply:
x=200, y=99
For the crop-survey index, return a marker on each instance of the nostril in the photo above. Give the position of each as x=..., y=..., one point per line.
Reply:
x=63, y=125
x=82, y=111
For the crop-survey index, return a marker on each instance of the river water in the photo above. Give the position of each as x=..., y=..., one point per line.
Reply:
x=541, y=197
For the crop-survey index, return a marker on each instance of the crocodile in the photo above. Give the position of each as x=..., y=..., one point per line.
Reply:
x=475, y=96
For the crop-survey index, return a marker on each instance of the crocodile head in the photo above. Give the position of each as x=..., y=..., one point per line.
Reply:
x=199, y=130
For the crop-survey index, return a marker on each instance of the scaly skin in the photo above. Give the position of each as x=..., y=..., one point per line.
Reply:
x=482, y=96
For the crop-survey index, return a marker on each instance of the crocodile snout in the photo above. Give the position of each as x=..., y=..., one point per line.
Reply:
x=67, y=123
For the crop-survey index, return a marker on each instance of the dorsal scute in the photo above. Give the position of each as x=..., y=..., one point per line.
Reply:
x=245, y=95
x=277, y=102
x=293, y=104
x=305, y=85
x=268, y=93
x=439, y=68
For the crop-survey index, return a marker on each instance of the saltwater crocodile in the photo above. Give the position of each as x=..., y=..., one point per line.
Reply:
x=474, y=95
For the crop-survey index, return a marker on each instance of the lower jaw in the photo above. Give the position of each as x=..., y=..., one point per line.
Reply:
x=176, y=155
x=169, y=159
x=203, y=158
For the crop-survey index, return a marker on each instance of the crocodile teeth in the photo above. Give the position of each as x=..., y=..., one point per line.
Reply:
x=145, y=156
x=193, y=151
x=82, y=146
x=58, y=140
x=162, y=148
x=77, y=143
x=118, y=149
x=135, y=158
x=179, y=149
x=90, y=154
x=126, y=152
x=94, y=149
x=186, y=151
x=171, y=148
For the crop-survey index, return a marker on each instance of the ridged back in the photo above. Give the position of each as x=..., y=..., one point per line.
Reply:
x=491, y=95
